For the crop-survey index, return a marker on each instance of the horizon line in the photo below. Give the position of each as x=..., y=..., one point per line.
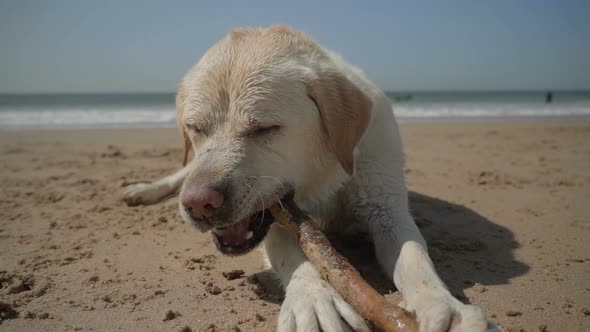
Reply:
x=384, y=90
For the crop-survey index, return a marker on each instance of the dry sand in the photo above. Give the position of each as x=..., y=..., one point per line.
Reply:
x=504, y=206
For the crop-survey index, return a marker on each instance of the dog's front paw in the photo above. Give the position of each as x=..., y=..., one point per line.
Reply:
x=445, y=313
x=313, y=305
x=141, y=194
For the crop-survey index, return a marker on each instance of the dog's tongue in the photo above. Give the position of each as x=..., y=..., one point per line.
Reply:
x=235, y=235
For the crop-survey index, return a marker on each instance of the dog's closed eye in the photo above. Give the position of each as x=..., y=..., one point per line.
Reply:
x=262, y=131
x=196, y=129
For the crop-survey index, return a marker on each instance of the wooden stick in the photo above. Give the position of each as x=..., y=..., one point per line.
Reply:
x=340, y=273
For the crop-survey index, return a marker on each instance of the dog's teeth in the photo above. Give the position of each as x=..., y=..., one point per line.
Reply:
x=249, y=235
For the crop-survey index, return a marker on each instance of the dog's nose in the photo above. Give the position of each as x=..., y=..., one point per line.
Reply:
x=201, y=201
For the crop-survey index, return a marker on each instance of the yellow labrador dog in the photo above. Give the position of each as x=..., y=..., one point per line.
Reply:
x=269, y=110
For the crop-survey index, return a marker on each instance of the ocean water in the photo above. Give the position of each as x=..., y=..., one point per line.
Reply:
x=87, y=111
x=489, y=105
x=157, y=110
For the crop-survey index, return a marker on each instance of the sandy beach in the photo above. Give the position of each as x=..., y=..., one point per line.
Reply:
x=504, y=207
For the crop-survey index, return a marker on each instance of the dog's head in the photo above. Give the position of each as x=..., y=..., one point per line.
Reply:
x=265, y=111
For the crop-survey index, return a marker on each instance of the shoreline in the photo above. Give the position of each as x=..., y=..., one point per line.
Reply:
x=400, y=120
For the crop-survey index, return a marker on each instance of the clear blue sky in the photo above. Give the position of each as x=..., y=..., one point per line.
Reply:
x=146, y=46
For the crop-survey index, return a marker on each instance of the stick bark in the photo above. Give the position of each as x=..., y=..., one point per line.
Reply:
x=334, y=268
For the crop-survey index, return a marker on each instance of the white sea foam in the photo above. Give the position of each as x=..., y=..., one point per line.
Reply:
x=164, y=116
x=465, y=111
x=88, y=118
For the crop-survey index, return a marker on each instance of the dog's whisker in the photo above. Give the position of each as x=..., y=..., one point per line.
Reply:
x=281, y=204
x=279, y=201
x=257, y=211
x=277, y=180
x=262, y=201
x=272, y=177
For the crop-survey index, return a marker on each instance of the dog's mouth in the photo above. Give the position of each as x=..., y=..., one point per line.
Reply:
x=241, y=237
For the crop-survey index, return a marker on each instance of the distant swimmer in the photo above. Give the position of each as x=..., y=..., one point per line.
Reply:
x=549, y=97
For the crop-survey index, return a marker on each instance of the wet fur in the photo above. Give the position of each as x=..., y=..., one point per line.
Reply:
x=338, y=146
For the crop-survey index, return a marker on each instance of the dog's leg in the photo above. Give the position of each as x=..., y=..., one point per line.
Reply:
x=310, y=303
x=154, y=192
x=402, y=253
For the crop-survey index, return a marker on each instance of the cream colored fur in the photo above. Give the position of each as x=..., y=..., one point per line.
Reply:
x=338, y=146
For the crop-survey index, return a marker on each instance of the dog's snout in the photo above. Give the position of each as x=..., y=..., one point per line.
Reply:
x=202, y=201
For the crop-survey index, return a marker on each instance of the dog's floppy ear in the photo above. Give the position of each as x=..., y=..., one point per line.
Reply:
x=180, y=122
x=345, y=112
